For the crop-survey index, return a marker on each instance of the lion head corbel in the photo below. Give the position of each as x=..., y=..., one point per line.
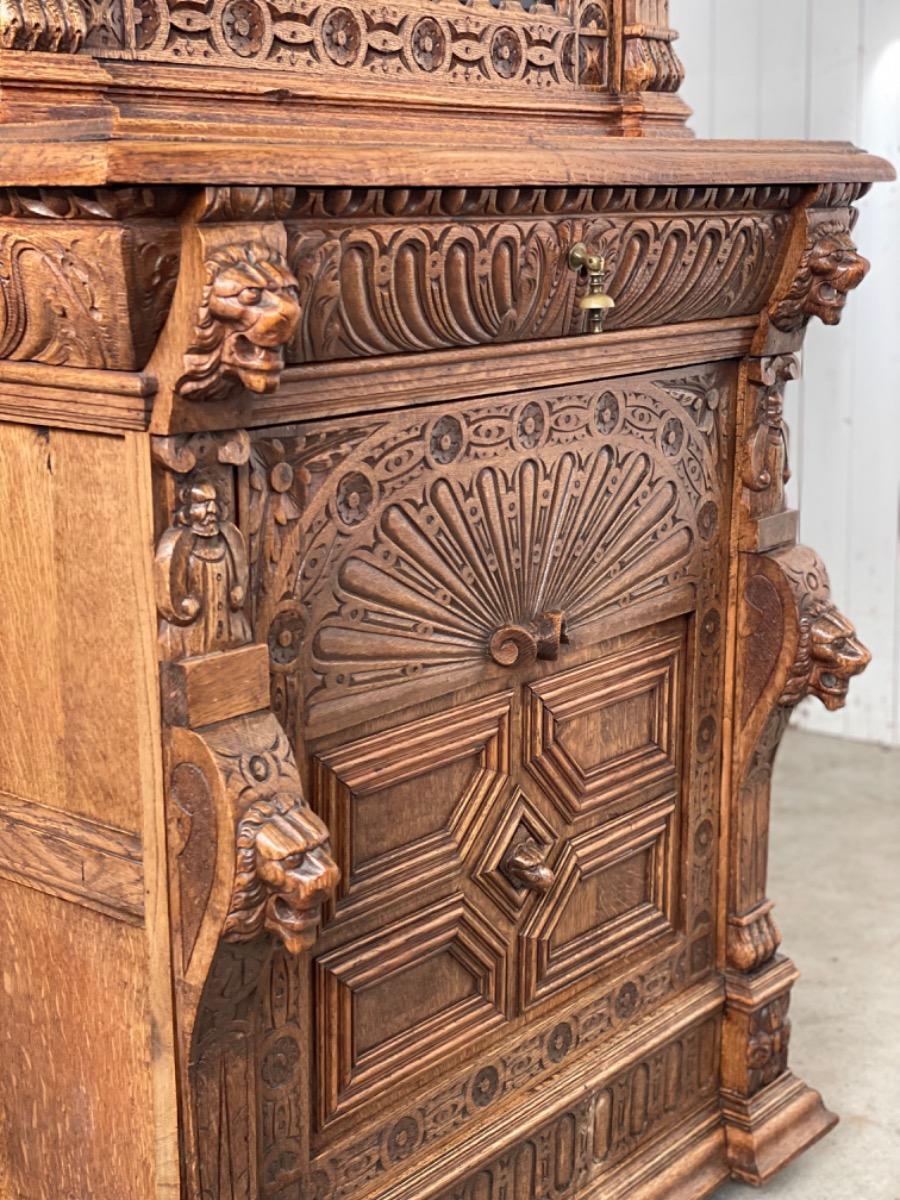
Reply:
x=248, y=312
x=829, y=269
x=284, y=872
x=829, y=653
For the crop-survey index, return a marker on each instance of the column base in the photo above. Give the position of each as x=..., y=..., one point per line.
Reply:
x=768, y=1131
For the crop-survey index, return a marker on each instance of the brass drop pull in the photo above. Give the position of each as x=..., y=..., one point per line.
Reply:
x=524, y=866
x=596, y=303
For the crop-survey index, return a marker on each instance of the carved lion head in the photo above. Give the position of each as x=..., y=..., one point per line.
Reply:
x=284, y=873
x=830, y=268
x=248, y=313
x=828, y=656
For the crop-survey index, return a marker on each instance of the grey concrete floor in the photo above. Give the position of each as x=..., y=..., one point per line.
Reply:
x=834, y=874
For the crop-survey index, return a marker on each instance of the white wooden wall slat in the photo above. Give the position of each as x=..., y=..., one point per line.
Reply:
x=830, y=69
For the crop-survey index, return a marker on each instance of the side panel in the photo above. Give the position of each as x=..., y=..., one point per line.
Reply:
x=87, y=1090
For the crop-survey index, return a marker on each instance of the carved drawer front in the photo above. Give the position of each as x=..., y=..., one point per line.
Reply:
x=392, y=272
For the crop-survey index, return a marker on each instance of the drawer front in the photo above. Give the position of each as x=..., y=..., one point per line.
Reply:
x=385, y=273
x=496, y=629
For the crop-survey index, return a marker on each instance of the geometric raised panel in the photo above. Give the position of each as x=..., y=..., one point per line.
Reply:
x=606, y=729
x=411, y=994
x=613, y=891
x=404, y=805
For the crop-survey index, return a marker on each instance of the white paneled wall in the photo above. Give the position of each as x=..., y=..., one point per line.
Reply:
x=830, y=69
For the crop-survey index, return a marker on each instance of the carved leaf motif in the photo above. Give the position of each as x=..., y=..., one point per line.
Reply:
x=56, y=305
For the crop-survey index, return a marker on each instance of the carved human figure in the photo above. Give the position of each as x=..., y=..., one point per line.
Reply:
x=284, y=872
x=249, y=311
x=201, y=577
x=830, y=268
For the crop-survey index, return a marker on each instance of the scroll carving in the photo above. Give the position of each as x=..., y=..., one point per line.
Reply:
x=829, y=269
x=248, y=312
x=794, y=643
x=517, y=646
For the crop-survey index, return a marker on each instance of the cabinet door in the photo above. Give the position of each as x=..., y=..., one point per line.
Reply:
x=509, y=693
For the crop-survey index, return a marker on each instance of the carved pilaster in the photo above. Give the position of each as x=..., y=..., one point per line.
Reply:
x=793, y=643
x=249, y=862
x=769, y=1114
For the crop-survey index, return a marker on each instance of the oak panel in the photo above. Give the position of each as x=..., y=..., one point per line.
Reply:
x=70, y=726
x=76, y=1048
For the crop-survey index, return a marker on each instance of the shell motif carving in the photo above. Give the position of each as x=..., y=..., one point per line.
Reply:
x=584, y=535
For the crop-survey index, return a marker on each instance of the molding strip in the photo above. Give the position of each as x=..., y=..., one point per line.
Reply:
x=72, y=857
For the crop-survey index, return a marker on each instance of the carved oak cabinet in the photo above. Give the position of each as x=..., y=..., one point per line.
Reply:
x=401, y=609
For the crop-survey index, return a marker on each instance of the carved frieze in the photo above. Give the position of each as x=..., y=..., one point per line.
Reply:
x=591, y=1135
x=830, y=267
x=449, y=47
x=526, y=1063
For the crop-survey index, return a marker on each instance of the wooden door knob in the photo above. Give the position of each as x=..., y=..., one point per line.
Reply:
x=525, y=866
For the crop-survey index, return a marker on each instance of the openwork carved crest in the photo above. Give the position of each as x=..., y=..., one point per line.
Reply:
x=248, y=312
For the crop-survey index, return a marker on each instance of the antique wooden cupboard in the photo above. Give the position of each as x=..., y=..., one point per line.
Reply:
x=396, y=637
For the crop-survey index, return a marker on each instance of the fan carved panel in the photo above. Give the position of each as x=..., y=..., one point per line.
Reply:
x=397, y=557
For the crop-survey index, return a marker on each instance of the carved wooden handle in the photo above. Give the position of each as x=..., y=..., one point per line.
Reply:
x=525, y=866
x=518, y=646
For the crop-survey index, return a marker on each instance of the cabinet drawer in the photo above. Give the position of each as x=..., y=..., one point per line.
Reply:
x=392, y=272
